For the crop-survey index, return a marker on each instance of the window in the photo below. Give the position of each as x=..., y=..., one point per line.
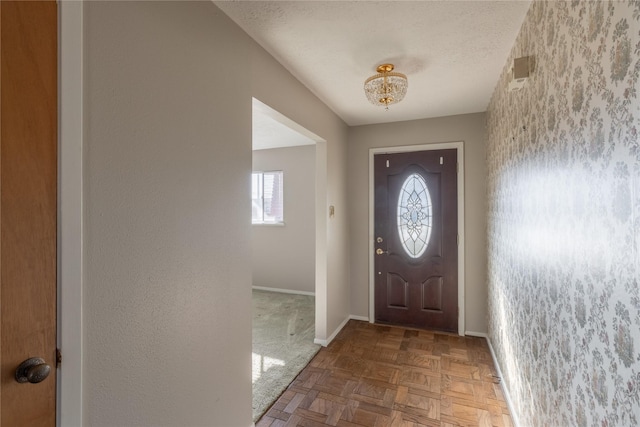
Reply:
x=414, y=215
x=266, y=198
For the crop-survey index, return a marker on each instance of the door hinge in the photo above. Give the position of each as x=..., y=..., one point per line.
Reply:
x=458, y=239
x=457, y=167
x=58, y=357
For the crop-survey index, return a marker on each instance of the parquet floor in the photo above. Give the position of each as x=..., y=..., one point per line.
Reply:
x=374, y=376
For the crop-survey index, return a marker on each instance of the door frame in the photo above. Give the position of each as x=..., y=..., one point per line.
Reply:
x=70, y=205
x=459, y=147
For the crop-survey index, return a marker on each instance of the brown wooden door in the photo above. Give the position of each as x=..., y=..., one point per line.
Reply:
x=416, y=233
x=28, y=182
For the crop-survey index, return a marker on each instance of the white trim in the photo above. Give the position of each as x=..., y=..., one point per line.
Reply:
x=459, y=146
x=505, y=391
x=70, y=81
x=283, y=291
x=326, y=342
x=321, y=255
x=476, y=334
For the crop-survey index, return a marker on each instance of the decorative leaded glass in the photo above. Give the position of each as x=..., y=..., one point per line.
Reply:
x=414, y=215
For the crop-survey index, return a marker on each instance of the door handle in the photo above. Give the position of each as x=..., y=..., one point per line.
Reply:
x=380, y=251
x=33, y=371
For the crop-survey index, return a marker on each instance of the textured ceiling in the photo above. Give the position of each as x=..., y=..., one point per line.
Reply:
x=451, y=51
x=271, y=129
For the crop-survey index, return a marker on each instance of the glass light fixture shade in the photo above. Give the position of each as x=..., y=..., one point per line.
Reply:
x=387, y=87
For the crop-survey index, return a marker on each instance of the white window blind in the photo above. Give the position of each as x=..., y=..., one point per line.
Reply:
x=267, y=197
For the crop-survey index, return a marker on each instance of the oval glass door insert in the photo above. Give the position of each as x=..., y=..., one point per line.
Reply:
x=414, y=215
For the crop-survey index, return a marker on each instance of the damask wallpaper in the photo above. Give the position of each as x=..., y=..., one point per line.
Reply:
x=564, y=217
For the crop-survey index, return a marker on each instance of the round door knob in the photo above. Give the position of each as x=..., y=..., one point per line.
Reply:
x=32, y=370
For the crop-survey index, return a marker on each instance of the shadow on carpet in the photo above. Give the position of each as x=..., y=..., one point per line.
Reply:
x=283, y=333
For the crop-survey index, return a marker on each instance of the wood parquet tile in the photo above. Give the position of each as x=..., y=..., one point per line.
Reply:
x=386, y=376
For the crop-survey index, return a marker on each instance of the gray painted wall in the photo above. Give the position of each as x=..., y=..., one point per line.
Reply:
x=167, y=243
x=468, y=128
x=167, y=157
x=284, y=256
x=564, y=217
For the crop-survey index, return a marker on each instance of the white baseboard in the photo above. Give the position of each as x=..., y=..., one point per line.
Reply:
x=284, y=291
x=505, y=391
x=326, y=342
x=477, y=334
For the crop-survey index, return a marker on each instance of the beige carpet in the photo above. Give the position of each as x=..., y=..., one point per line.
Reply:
x=283, y=333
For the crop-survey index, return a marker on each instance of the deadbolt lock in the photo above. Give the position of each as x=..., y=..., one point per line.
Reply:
x=379, y=240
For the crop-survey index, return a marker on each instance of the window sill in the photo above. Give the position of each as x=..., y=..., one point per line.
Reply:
x=269, y=224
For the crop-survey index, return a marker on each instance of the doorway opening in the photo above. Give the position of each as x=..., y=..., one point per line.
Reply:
x=287, y=239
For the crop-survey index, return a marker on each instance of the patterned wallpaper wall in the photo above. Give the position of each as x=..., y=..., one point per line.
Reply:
x=564, y=217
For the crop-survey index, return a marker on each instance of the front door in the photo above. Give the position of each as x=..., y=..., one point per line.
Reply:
x=28, y=205
x=416, y=233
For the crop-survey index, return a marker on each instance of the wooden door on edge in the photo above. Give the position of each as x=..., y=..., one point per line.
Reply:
x=28, y=207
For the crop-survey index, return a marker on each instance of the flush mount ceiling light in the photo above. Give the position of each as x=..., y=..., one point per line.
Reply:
x=387, y=87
